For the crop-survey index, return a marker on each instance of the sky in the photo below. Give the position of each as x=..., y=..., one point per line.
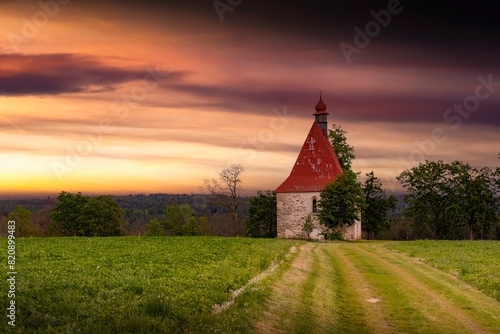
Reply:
x=131, y=97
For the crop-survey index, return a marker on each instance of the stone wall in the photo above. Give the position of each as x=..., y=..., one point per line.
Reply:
x=293, y=209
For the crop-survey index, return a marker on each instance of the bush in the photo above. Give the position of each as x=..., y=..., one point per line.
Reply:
x=335, y=236
x=308, y=226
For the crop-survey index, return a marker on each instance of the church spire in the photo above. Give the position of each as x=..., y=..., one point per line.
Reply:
x=321, y=116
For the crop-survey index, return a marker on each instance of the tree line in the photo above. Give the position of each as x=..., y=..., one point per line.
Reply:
x=74, y=215
x=445, y=196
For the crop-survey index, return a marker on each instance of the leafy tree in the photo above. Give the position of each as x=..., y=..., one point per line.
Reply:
x=136, y=215
x=154, y=229
x=472, y=202
x=24, y=226
x=344, y=152
x=225, y=190
x=341, y=201
x=401, y=228
x=190, y=227
x=41, y=220
x=428, y=195
x=65, y=219
x=374, y=215
x=451, y=197
x=202, y=226
x=151, y=211
x=262, y=219
x=179, y=220
x=101, y=217
x=308, y=226
x=79, y=215
x=495, y=182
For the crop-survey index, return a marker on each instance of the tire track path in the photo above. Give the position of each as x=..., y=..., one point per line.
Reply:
x=365, y=288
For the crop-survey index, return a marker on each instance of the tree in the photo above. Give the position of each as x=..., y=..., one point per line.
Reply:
x=495, y=183
x=84, y=216
x=202, y=227
x=472, y=201
x=151, y=211
x=179, y=220
x=374, y=215
x=65, y=219
x=41, y=219
x=344, y=152
x=341, y=201
x=190, y=227
x=262, y=219
x=101, y=216
x=154, y=229
x=225, y=190
x=24, y=226
x=428, y=195
x=308, y=226
x=401, y=228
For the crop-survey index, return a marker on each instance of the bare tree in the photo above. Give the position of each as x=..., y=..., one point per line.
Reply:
x=225, y=190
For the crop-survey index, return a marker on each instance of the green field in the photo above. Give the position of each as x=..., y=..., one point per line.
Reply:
x=363, y=287
x=136, y=284
x=175, y=284
x=475, y=262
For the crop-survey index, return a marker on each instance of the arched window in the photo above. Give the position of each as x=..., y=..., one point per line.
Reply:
x=315, y=206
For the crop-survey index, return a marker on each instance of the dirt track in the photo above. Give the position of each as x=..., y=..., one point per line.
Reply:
x=365, y=288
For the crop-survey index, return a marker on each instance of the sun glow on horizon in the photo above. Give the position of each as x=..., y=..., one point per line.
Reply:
x=125, y=98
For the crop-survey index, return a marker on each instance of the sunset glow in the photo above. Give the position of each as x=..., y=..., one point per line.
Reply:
x=125, y=98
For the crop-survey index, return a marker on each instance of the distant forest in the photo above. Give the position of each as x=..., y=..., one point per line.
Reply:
x=140, y=209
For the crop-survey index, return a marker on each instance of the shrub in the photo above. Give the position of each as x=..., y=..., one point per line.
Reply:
x=335, y=236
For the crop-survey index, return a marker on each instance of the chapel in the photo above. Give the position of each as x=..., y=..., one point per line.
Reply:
x=299, y=194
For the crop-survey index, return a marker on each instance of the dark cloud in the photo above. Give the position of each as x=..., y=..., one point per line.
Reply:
x=412, y=108
x=448, y=34
x=50, y=74
x=356, y=106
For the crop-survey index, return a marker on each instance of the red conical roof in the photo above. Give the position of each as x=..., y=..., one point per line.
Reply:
x=316, y=165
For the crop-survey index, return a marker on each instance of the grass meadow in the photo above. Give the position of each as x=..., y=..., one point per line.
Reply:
x=137, y=284
x=363, y=287
x=177, y=285
x=475, y=262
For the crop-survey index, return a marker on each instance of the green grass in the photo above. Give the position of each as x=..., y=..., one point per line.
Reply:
x=475, y=262
x=306, y=317
x=136, y=284
x=363, y=287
